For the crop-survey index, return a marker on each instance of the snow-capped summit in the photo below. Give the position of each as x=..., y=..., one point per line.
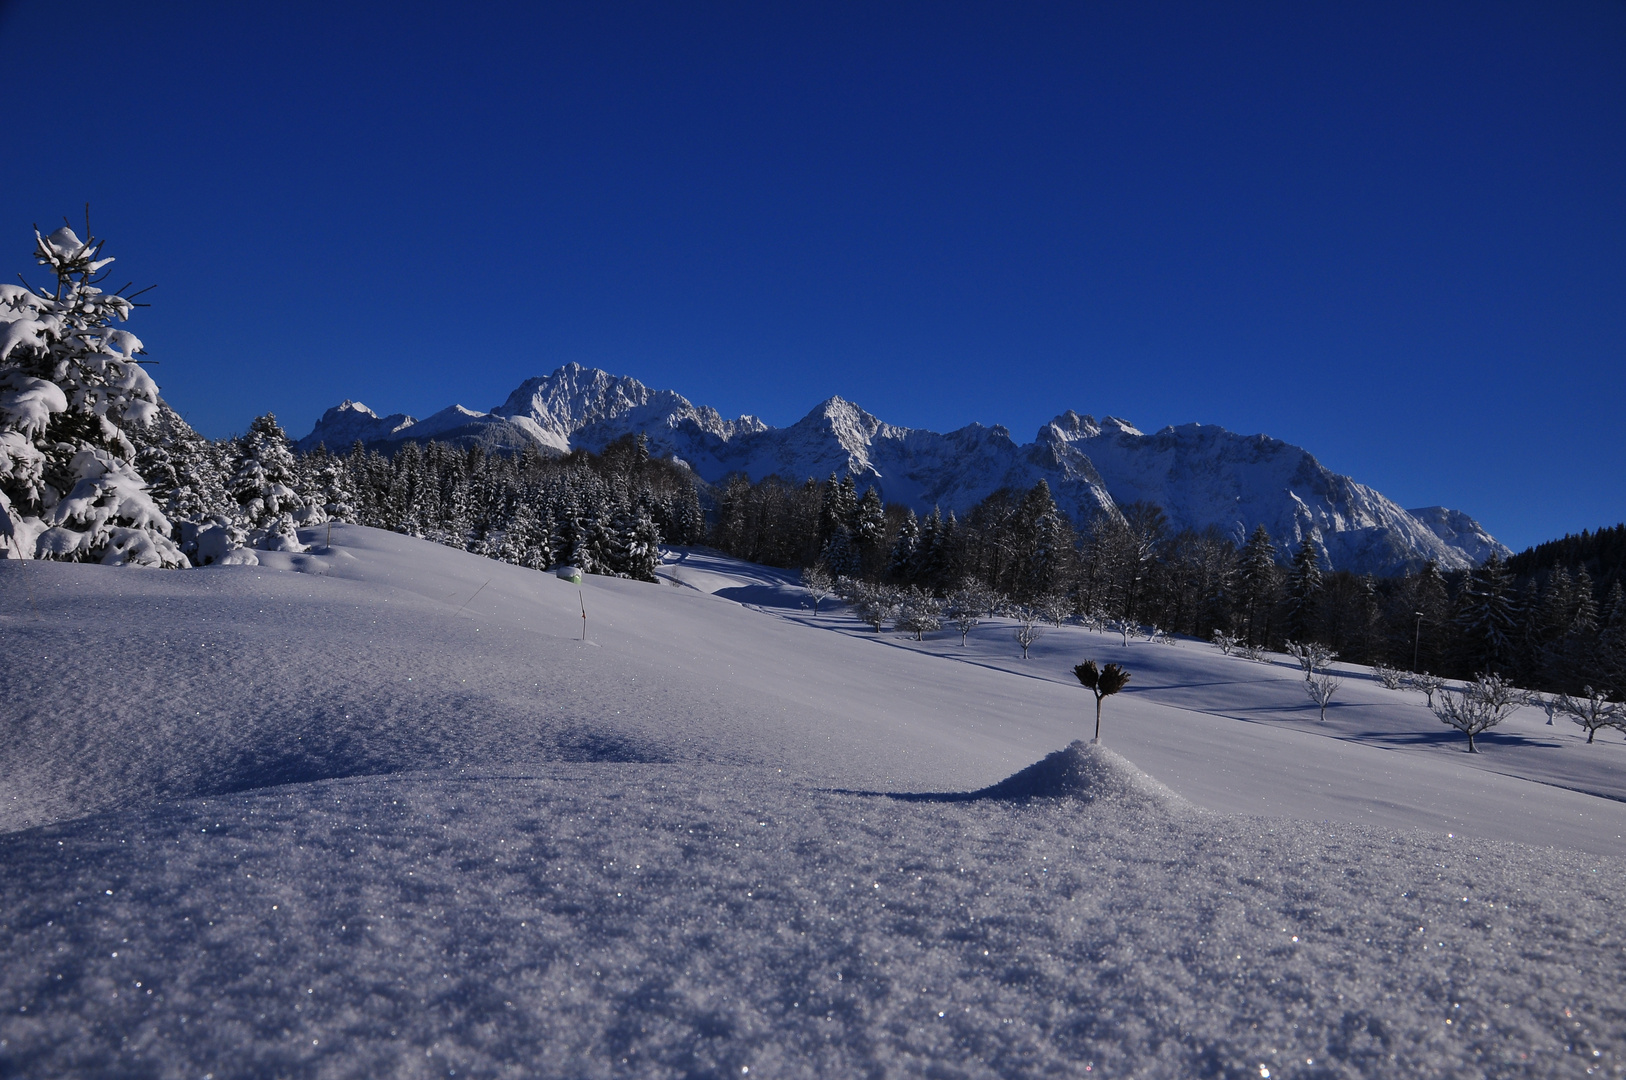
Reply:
x=348, y=421
x=573, y=399
x=1201, y=475
x=1462, y=532
x=1204, y=475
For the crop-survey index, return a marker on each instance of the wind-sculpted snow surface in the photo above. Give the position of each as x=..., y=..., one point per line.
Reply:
x=1201, y=475
x=377, y=810
x=669, y=921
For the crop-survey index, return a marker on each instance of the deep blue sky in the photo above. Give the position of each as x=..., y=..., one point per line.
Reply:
x=1392, y=233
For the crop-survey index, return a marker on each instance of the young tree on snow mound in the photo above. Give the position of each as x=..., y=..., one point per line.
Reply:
x=1103, y=683
x=69, y=387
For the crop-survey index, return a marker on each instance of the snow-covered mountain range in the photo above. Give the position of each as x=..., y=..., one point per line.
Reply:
x=1201, y=475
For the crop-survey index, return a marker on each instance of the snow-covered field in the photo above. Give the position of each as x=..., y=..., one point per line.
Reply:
x=378, y=810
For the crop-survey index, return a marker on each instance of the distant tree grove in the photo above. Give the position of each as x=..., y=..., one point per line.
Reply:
x=1553, y=618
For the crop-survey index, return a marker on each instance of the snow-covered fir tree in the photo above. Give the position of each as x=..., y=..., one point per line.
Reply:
x=1486, y=622
x=1257, y=585
x=185, y=472
x=263, y=477
x=70, y=390
x=1303, y=591
x=904, y=549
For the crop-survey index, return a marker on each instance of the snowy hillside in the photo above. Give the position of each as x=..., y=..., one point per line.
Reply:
x=379, y=810
x=1201, y=475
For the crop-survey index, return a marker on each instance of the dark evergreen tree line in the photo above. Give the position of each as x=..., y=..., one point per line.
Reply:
x=604, y=513
x=1543, y=620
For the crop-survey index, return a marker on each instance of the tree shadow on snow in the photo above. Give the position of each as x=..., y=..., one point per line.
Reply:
x=768, y=596
x=1450, y=737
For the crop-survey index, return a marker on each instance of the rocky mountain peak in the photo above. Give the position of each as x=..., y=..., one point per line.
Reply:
x=1201, y=475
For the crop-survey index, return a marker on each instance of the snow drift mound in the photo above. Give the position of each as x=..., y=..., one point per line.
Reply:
x=1088, y=772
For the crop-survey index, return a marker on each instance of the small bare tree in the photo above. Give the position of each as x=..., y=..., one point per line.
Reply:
x=1102, y=682
x=1225, y=643
x=1478, y=706
x=1028, y=629
x=819, y=585
x=1311, y=655
x=919, y=614
x=1321, y=687
x=1547, y=703
x=1593, y=711
x=876, y=605
x=1428, y=684
x=1391, y=678
x=966, y=607
x=1127, y=628
x=1055, y=608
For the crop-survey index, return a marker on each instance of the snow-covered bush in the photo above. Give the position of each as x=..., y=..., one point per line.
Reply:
x=217, y=541
x=1225, y=643
x=1478, y=706
x=69, y=387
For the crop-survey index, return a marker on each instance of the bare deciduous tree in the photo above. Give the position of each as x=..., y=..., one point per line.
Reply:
x=1391, y=678
x=967, y=605
x=1478, y=706
x=919, y=613
x=875, y=605
x=1055, y=608
x=1547, y=703
x=1428, y=684
x=1311, y=655
x=1593, y=711
x=1126, y=628
x=1028, y=629
x=819, y=584
x=1321, y=687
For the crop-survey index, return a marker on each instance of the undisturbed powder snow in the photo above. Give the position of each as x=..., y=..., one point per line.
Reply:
x=390, y=816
